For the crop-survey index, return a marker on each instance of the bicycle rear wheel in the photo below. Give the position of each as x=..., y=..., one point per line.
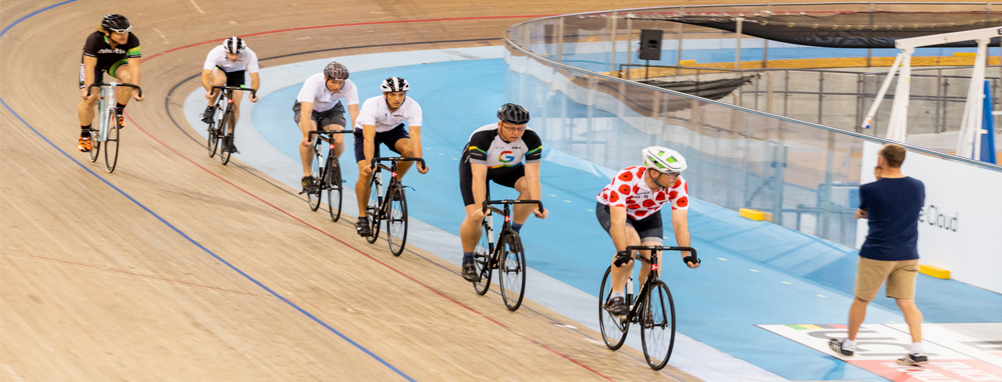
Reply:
x=333, y=184
x=482, y=260
x=111, y=142
x=396, y=220
x=95, y=144
x=614, y=329
x=316, y=193
x=658, y=330
x=227, y=138
x=511, y=271
x=373, y=211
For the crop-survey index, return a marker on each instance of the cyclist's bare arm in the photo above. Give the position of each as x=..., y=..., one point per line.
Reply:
x=535, y=190
x=207, y=82
x=305, y=121
x=89, y=64
x=134, y=71
x=353, y=112
x=617, y=215
x=255, y=84
x=369, y=145
x=415, y=133
x=479, y=186
x=680, y=224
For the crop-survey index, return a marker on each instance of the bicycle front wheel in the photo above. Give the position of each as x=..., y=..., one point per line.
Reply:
x=226, y=137
x=213, y=140
x=482, y=261
x=333, y=184
x=95, y=144
x=511, y=271
x=396, y=221
x=614, y=329
x=111, y=142
x=657, y=329
x=373, y=211
x=315, y=194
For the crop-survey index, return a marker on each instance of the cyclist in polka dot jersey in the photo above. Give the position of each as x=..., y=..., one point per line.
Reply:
x=629, y=209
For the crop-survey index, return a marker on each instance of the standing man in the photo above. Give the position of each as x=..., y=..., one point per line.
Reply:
x=225, y=65
x=495, y=152
x=115, y=50
x=381, y=121
x=320, y=100
x=892, y=205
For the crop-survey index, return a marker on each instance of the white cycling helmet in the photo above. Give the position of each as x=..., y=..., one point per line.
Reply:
x=664, y=160
x=394, y=84
x=234, y=45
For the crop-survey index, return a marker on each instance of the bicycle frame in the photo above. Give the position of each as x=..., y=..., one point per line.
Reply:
x=107, y=92
x=325, y=135
x=488, y=208
x=227, y=93
x=392, y=168
x=633, y=253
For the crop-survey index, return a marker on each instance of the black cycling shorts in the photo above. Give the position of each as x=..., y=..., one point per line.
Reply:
x=100, y=70
x=334, y=116
x=388, y=138
x=650, y=229
x=505, y=176
x=234, y=78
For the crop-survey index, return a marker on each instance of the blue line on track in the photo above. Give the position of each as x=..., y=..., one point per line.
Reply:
x=162, y=220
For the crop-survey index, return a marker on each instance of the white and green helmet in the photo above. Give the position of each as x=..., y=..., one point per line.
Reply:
x=664, y=160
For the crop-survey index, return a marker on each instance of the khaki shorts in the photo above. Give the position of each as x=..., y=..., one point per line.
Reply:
x=900, y=276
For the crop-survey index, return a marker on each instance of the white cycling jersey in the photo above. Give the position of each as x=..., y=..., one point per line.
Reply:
x=217, y=57
x=376, y=112
x=315, y=90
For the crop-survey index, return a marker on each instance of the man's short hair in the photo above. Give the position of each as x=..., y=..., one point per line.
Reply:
x=893, y=154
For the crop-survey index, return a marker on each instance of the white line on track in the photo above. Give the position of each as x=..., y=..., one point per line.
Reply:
x=196, y=7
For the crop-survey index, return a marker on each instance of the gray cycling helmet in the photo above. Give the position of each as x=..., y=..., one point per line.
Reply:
x=336, y=71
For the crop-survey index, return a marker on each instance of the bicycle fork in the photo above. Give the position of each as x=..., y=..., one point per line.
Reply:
x=489, y=225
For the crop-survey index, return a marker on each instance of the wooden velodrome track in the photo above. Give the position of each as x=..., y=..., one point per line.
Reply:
x=178, y=268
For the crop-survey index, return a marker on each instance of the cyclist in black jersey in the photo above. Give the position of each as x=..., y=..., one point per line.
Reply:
x=495, y=152
x=115, y=50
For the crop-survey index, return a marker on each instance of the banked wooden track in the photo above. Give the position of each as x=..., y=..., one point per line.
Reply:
x=177, y=268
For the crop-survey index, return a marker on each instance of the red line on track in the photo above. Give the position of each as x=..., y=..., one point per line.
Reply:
x=436, y=291
x=345, y=25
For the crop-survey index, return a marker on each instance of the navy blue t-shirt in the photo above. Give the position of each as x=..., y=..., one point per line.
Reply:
x=892, y=206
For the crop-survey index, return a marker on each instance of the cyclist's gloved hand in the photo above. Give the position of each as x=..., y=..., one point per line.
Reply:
x=689, y=260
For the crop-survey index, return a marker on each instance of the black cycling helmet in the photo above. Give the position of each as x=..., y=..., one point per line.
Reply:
x=513, y=114
x=115, y=23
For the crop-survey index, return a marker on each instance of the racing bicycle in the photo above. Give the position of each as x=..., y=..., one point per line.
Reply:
x=107, y=133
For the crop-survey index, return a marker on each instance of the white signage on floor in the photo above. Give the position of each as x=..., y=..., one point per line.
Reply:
x=961, y=222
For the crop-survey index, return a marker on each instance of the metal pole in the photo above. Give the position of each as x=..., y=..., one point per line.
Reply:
x=560, y=40
x=678, y=49
x=629, y=44
x=614, y=24
x=768, y=100
x=737, y=57
x=821, y=95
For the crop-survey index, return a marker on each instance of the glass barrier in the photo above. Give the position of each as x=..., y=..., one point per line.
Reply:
x=805, y=174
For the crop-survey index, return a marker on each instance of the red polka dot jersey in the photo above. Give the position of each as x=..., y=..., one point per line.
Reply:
x=628, y=189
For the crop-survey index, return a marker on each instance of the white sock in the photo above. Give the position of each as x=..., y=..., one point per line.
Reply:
x=847, y=343
x=917, y=348
x=618, y=294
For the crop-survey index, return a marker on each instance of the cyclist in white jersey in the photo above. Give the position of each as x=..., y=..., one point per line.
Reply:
x=381, y=121
x=495, y=152
x=320, y=98
x=629, y=209
x=226, y=65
